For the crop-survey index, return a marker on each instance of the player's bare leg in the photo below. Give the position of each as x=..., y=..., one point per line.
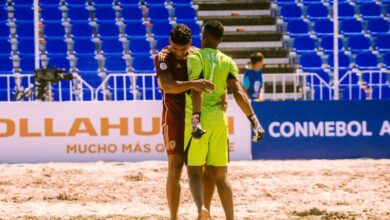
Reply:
x=195, y=176
x=175, y=167
x=224, y=190
x=209, y=187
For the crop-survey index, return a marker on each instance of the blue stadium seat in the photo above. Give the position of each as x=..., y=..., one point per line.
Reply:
x=363, y=1
x=304, y=44
x=78, y=13
x=139, y=47
x=54, y=30
x=22, y=2
x=6, y=64
x=380, y=92
x=196, y=41
x=135, y=28
x=297, y=28
x=327, y=44
x=353, y=93
x=126, y=3
x=111, y=45
x=76, y=2
x=25, y=29
x=154, y=2
x=310, y=62
x=5, y=46
x=346, y=11
x=103, y=3
x=383, y=43
x=185, y=13
x=192, y=25
x=24, y=13
x=56, y=46
x=157, y=13
x=51, y=14
x=350, y=79
x=114, y=63
x=27, y=63
x=86, y=62
x=323, y=27
x=163, y=41
x=351, y=27
x=285, y=2
x=3, y=15
x=359, y=43
x=377, y=27
x=161, y=28
x=108, y=29
x=311, y=2
x=122, y=94
x=4, y=30
x=290, y=12
x=375, y=77
x=386, y=61
x=49, y=3
x=366, y=61
x=105, y=14
x=132, y=12
x=312, y=80
x=143, y=64
x=317, y=11
x=370, y=11
x=82, y=46
x=58, y=61
x=81, y=30
x=176, y=3
x=26, y=45
x=323, y=93
x=91, y=77
x=344, y=61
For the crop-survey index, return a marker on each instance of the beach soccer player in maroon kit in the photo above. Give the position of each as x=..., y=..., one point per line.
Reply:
x=171, y=68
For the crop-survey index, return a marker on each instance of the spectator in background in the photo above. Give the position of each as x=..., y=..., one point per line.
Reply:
x=253, y=77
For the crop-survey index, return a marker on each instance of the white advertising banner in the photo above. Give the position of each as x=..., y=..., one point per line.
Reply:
x=96, y=131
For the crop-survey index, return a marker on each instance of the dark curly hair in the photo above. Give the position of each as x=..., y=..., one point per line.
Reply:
x=181, y=35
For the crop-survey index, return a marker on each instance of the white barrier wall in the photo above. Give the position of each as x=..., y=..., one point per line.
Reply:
x=93, y=131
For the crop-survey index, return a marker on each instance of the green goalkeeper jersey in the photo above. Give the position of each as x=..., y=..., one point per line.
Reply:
x=213, y=65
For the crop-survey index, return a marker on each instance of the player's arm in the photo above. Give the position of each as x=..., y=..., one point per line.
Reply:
x=168, y=85
x=194, y=73
x=244, y=104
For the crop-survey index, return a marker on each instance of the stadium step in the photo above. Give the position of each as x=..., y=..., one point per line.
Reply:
x=249, y=27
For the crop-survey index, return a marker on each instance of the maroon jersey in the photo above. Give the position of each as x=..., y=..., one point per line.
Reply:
x=173, y=104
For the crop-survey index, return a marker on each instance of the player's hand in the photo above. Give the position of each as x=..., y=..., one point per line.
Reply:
x=257, y=128
x=202, y=85
x=197, y=131
x=223, y=103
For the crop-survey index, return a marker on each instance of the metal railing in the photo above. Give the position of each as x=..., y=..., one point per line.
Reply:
x=134, y=87
x=23, y=87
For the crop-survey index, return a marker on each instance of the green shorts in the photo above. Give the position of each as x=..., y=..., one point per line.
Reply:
x=211, y=149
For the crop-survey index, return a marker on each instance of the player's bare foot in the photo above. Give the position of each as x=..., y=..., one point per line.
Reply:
x=203, y=214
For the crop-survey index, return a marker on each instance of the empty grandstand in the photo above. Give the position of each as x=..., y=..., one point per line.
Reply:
x=109, y=45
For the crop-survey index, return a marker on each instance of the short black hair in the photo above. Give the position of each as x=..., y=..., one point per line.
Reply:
x=181, y=35
x=213, y=29
x=256, y=57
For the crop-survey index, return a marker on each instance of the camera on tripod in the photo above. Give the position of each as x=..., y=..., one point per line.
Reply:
x=51, y=75
x=43, y=80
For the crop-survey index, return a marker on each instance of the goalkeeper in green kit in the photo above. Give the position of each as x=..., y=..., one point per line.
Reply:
x=208, y=145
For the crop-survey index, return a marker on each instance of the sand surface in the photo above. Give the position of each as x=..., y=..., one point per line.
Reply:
x=306, y=189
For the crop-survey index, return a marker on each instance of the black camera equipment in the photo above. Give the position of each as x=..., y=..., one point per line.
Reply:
x=43, y=79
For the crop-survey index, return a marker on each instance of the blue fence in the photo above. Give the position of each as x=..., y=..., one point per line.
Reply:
x=323, y=130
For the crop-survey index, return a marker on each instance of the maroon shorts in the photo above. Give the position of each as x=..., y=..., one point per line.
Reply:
x=174, y=138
